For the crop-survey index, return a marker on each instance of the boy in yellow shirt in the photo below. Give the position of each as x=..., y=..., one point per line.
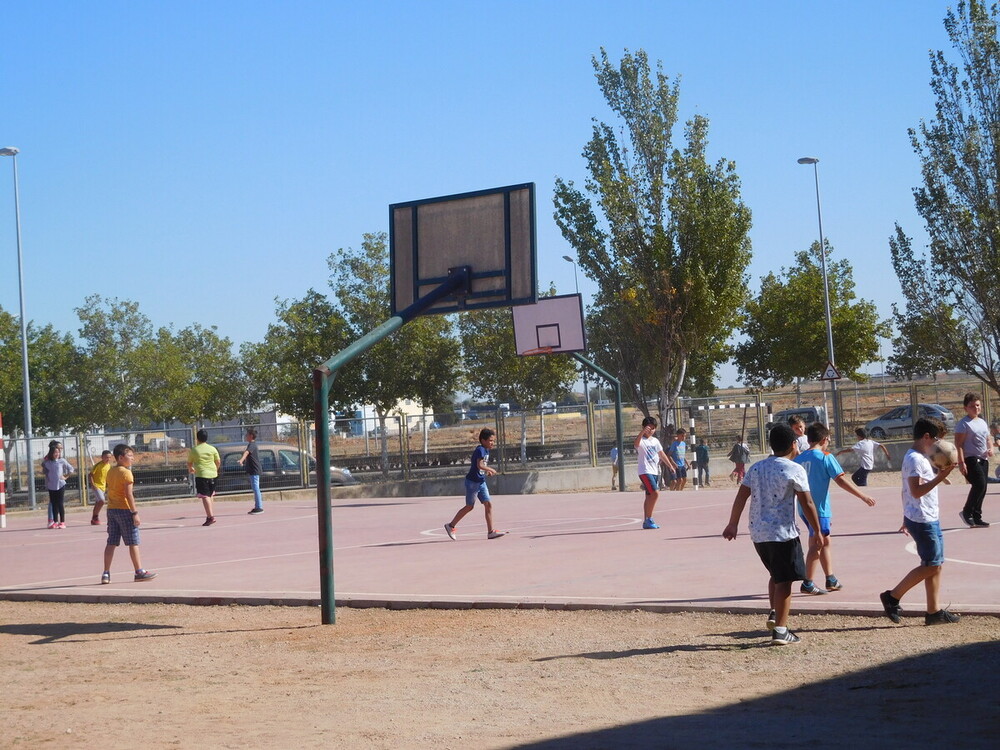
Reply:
x=123, y=516
x=99, y=484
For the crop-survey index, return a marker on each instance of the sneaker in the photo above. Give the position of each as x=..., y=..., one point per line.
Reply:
x=967, y=520
x=496, y=534
x=811, y=588
x=144, y=575
x=209, y=521
x=649, y=523
x=783, y=639
x=979, y=523
x=105, y=577
x=832, y=584
x=891, y=606
x=95, y=521
x=255, y=511
x=941, y=617
x=450, y=530
x=772, y=619
x=53, y=525
x=62, y=524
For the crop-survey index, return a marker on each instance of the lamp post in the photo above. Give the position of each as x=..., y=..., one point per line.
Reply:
x=826, y=295
x=586, y=387
x=13, y=152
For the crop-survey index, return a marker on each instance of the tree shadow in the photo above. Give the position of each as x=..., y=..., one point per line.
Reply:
x=943, y=697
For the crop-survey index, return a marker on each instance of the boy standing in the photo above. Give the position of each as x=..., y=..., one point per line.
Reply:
x=921, y=518
x=123, y=516
x=651, y=455
x=798, y=425
x=865, y=448
x=972, y=438
x=821, y=467
x=678, y=453
x=204, y=463
x=475, y=486
x=250, y=460
x=99, y=484
x=702, y=457
x=773, y=485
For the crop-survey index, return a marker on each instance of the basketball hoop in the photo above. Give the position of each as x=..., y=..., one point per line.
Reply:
x=537, y=350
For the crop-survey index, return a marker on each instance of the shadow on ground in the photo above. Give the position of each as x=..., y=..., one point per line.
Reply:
x=946, y=698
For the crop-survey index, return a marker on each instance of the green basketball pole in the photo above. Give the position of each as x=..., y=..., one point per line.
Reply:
x=616, y=386
x=323, y=377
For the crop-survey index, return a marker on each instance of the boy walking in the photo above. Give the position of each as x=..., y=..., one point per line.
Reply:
x=772, y=486
x=204, y=463
x=99, y=484
x=651, y=455
x=678, y=453
x=702, y=459
x=921, y=518
x=475, y=486
x=972, y=438
x=250, y=460
x=123, y=515
x=821, y=467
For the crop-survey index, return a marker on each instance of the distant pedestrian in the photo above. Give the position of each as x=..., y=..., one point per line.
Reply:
x=56, y=470
x=739, y=454
x=865, y=451
x=702, y=458
x=650, y=454
x=250, y=461
x=678, y=454
x=204, y=463
x=921, y=516
x=972, y=438
x=99, y=484
x=475, y=486
x=123, y=515
x=614, y=466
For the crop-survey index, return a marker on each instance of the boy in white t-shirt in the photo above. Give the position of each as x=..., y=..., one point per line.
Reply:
x=865, y=450
x=651, y=455
x=921, y=519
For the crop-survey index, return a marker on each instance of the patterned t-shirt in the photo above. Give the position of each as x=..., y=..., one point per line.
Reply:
x=773, y=483
x=649, y=456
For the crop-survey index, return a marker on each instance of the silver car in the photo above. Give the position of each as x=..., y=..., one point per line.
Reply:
x=899, y=421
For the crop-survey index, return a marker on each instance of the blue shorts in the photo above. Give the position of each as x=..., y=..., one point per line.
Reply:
x=474, y=490
x=650, y=483
x=824, y=525
x=929, y=541
x=121, y=527
x=681, y=473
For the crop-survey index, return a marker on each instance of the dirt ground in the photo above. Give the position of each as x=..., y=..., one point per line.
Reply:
x=90, y=675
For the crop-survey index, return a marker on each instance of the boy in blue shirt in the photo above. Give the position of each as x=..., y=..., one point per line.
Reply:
x=678, y=452
x=821, y=467
x=475, y=486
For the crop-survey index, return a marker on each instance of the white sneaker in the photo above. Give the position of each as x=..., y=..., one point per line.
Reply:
x=450, y=531
x=496, y=534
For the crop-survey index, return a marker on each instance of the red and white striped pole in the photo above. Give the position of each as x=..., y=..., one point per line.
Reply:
x=3, y=482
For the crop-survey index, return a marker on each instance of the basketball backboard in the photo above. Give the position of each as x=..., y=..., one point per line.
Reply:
x=553, y=325
x=491, y=231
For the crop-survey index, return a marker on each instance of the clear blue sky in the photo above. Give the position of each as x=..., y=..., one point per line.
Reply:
x=203, y=158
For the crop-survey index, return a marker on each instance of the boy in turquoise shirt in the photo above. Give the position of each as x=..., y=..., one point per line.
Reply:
x=822, y=466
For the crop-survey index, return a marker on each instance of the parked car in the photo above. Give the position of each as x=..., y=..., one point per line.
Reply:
x=547, y=407
x=899, y=421
x=809, y=415
x=279, y=467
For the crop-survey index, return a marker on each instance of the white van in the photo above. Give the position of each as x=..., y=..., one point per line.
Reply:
x=809, y=415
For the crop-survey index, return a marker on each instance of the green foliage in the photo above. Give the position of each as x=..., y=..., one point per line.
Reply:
x=951, y=318
x=785, y=325
x=670, y=250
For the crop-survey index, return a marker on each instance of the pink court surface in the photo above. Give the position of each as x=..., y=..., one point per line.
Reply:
x=571, y=551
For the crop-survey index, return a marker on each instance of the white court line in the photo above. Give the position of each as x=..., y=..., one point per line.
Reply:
x=911, y=547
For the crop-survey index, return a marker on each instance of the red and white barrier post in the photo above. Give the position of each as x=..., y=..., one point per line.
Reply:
x=3, y=481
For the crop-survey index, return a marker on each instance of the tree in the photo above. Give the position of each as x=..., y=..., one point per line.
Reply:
x=951, y=316
x=671, y=248
x=420, y=360
x=785, y=325
x=277, y=370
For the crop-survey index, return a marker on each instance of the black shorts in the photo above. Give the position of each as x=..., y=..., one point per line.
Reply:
x=783, y=560
x=204, y=487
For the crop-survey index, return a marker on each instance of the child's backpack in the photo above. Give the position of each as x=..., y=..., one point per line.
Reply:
x=740, y=454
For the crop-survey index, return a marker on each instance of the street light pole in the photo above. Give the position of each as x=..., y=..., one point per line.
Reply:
x=586, y=386
x=13, y=152
x=826, y=296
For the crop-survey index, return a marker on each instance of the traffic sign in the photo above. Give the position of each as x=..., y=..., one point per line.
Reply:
x=830, y=373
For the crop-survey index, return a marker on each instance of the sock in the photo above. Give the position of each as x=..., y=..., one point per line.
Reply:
x=807, y=583
x=781, y=630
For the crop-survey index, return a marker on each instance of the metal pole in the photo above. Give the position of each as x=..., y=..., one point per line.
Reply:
x=28, y=432
x=826, y=300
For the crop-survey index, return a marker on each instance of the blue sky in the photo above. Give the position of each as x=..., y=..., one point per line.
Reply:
x=203, y=158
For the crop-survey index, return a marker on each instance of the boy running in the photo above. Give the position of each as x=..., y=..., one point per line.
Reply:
x=204, y=463
x=475, y=486
x=865, y=449
x=99, y=484
x=772, y=486
x=821, y=468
